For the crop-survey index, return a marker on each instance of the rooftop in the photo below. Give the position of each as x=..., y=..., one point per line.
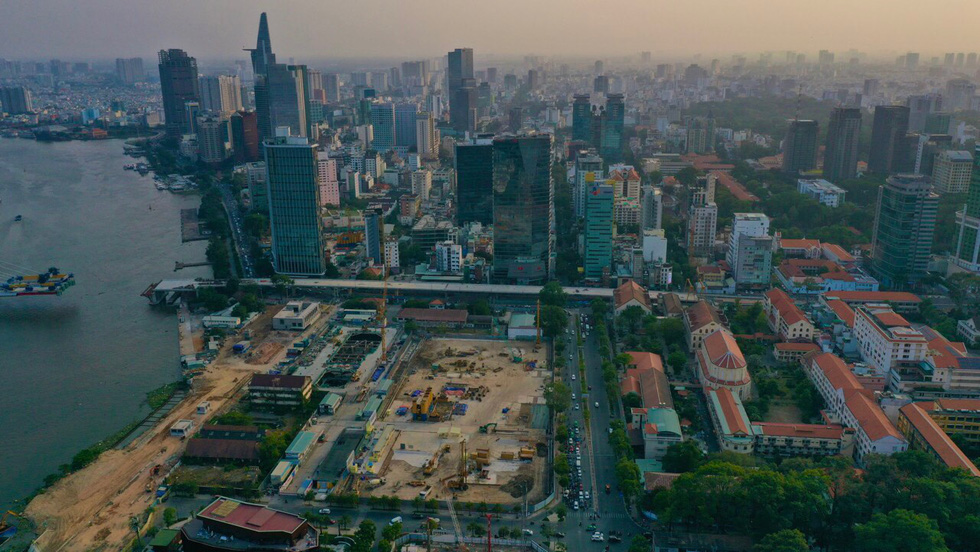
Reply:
x=251, y=517
x=948, y=452
x=723, y=351
x=873, y=296
x=872, y=419
x=731, y=413
x=456, y=316
x=701, y=314
x=631, y=291
x=814, y=431
x=279, y=381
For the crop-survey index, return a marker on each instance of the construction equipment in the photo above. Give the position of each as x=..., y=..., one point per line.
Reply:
x=3, y=521
x=487, y=427
x=456, y=528
x=489, y=533
x=433, y=463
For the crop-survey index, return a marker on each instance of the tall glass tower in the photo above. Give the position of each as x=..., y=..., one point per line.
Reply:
x=905, y=221
x=523, y=209
x=598, y=230
x=292, y=183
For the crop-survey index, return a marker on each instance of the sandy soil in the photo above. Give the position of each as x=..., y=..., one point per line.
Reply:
x=91, y=509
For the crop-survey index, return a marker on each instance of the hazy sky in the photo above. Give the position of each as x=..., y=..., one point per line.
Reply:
x=83, y=29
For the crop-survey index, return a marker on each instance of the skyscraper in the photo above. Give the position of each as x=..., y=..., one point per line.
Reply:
x=459, y=67
x=130, y=70
x=474, y=181
x=211, y=132
x=405, y=124
x=702, y=218
x=701, y=135
x=905, y=221
x=179, y=85
x=750, y=249
x=462, y=90
x=294, y=205
x=15, y=100
x=281, y=95
x=611, y=146
x=220, y=94
x=582, y=118
x=800, y=146
x=373, y=236
x=425, y=134
x=841, y=156
x=245, y=136
x=262, y=55
x=383, y=119
x=967, y=252
x=651, y=208
x=959, y=94
x=889, y=148
x=331, y=87
x=919, y=107
x=598, y=231
x=523, y=209
x=588, y=169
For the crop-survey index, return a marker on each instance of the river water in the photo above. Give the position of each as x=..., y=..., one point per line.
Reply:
x=76, y=368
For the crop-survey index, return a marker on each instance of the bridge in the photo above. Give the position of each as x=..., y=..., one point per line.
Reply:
x=168, y=291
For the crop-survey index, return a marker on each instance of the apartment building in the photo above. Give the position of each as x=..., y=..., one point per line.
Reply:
x=785, y=319
x=885, y=338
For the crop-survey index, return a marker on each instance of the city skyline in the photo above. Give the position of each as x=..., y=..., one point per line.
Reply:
x=425, y=29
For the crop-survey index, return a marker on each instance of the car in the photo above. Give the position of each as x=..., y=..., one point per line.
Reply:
x=575, y=505
x=597, y=537
x=324, y=510
x=591, y=527
x=574, y=396
x=614, y=539
x=528, y=533
x=559, y=535
x=576, y=406
x=586, y=495
x=573, y=377
x=597, y=404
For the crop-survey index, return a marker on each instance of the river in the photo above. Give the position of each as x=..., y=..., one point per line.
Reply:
x=76, y=368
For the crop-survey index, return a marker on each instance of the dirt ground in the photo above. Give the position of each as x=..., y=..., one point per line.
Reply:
x=787, y=413
x=510, y=386
x=90, y=509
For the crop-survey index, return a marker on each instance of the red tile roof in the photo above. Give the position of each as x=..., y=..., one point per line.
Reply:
x=938, y=441
x=815, y=431
x=836, y=371
x=838, y=251
x=645, y=361
x=723, y=351
x=843, y=311
x=701, y=314
x=629, y=291
x=729, y=409
x=892, y=319
x=658, y=480
x=872, y=419
x=873, y=296
x=251, y=517
x=787, y=309
x=734, y=187
x=797, y=347
x=798, y=244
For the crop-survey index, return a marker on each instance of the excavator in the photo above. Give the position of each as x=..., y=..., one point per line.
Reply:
x=4, y=526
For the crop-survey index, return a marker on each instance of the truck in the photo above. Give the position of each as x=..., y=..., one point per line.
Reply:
x=241, y=347
x=424, y=493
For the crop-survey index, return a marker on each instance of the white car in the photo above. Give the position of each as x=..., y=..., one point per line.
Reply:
x=597, y=537
x=575, y=505
x=573, y=377
x=324, y=510
x=597, y=404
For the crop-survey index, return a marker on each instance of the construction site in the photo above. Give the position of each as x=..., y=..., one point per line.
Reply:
x=467, y=419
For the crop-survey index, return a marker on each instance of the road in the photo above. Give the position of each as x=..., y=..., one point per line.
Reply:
x=237, y=223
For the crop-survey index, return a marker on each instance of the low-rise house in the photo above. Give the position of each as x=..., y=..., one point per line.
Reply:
x=785, y=318
x=793, y=352
x=969, y=330
x=238, y=451
x=279, y=390
x=790, y=440
x=631, y=294
x=229, y=525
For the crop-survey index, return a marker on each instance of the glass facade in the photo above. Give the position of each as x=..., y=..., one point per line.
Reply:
x=523, y=209
x=293, y=189
x=598, y=230
x=474, y=183
x=905, y=222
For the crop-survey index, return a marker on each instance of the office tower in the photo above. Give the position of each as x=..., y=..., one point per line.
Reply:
x=515, y=119
x=598, y=67
x=523, y=209
x=293, y=188
x=281, y=95
x=327, y=179
x=379, y=81
x=600, y=85
x=750, y=249
x=473, y=162
x=870, y=87
x=701, y=135
x=425, y=134
x=582, y=118
x=211, y=132
x=179, y=85
x=220, y=94
x=959, y=94
x=492, y=74
x=967, y=252
x=510, y=81
x=414, y=74
x=462, y=107
x=938, y=123
x=825, y=57
x=611, y=145
x=383, y=120
x=948, y=60
x=588, y=170
x=598, y=231
x=702, y=218
x=651, y=208
x=800, y=146
x=314, y=82
x=533, y=79
x=905, y=220
x=911, y=60
x=373, y=235
x=16, y=100
x=405, y=125
x=919, y=107
x=262, y=55
x=952, y=171
x=841, y=156
x=929, y=148
x=889, y=149
x=245, y=136
x=484, y=100
x=331, y=87
x=459, y=67
x=130, y=70
x=258, y=192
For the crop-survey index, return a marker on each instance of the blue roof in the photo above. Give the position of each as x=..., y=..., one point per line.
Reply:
x=301, y=443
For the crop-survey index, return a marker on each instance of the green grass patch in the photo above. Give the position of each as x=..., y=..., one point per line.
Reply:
x=159, y=396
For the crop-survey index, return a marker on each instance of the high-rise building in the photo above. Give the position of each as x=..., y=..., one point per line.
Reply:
x=701, y=135
x=515, y=118
x=405, y=125
x=179, y=85
x=800, y=146
x=245, y=136
x=967, y=252
x=905, y=221
x=449, y=257
x=889, y=149
x=220, y=94
x=598, y=231
x=459, y=67
x=331, y=87
x=750, y=249
x=425, y=134
x=422, y=184
x=294, y=204
x=211, y=133
x=392, y=255
x=582, y=118
x=473, y=162
x=600, y=85
x=258, y=192
x=16, y=100
x=463, y=106
x=611, y=142
x=588, y=170
x=841, y=156
x=130, y=70
x=373, y=235
x=951, y=172
x=327, y=179
x=523, y=209
x=702, y=218
x=959, y=94
x=282, y=98
x=262, y=55
x=919, y=107
x=383, y=120
x=192, y=110
x=651, y=208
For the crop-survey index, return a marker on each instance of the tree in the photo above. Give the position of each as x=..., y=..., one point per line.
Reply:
x=364, y=536
x=282, y=283
x=682, y=457
x=558, y=396
x=561, y=511
x=553, y=320
x=600, y=308
x=479, y=308
x=899, y=531
x=169, y=516
x=553, y=294
x=561, y=465
x=211, y=299
x=418, y=503
x=677, y=361
x=257, y=225
x=639, y=544
x=273, y=446
x=787, y=540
